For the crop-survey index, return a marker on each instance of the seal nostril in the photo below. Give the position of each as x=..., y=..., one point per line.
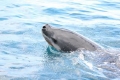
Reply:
x=44, y=26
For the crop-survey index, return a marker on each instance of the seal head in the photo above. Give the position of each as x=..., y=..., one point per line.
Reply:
x=66, y=40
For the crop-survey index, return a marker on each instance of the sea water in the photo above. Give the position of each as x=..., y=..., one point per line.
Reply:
x=25, y=55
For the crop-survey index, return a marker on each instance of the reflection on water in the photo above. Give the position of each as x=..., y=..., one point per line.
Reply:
x=25, y=55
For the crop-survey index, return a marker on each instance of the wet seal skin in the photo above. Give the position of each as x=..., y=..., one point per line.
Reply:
x=66, y=40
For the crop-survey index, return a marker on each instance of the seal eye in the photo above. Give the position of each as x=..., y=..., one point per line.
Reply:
x=54, y=40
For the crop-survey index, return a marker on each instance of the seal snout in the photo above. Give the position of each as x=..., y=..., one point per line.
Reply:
x=46, y=30
x=44, y=27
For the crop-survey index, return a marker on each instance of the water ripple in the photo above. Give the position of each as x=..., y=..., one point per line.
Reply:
x=54, y=11
x=2, y=19
x=26, y=55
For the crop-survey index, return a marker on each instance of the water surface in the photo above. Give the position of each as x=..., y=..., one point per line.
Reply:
x=25, y=55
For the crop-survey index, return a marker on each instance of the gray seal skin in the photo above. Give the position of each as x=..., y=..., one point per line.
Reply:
x=66, y=40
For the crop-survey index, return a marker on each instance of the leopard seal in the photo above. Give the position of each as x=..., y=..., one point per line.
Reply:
x=66, y=40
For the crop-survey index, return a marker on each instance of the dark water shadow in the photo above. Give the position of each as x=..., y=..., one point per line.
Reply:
x=51, y=52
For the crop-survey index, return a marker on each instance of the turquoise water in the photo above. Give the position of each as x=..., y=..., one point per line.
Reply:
x=25, y=55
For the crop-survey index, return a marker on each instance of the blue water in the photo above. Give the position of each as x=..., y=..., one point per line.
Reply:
x=25, y=55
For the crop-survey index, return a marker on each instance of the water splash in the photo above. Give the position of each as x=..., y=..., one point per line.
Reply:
x=25, y=54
